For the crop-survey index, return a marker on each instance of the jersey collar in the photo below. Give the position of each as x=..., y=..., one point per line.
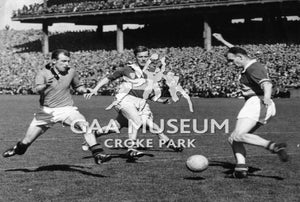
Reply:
x=137, y=69
x=249, y=64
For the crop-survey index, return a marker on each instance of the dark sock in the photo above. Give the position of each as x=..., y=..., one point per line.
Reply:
x=21, y=148
x=271, y=146
x=96, y=149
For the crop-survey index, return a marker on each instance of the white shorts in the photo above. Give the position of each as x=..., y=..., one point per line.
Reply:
x=134, y=109
x=255, y=109
x=47, y=116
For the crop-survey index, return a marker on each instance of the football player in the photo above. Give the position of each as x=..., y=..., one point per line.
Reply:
x=53, y=83
x=256, y=88
x=133, y=109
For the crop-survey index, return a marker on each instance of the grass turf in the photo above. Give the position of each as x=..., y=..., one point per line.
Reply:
x=56, y=169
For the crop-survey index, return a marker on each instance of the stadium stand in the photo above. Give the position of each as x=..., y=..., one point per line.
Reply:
x=72, y=6
x=202, y=73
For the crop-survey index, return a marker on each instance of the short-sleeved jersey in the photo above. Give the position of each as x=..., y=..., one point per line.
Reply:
x=253, y=77
x=128, y=71
x=58, y=93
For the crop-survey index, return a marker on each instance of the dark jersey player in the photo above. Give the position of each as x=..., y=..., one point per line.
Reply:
x=53, y=83
x=256, y=87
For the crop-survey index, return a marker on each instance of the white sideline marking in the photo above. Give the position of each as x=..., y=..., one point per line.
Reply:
x=91, y=165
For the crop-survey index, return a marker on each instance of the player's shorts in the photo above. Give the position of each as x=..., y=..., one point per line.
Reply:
x=134, y=109
x=47, y=116
x=255, y=109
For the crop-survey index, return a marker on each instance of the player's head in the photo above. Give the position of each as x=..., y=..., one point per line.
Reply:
x=61, y=58
x=237, y=56
x=141, y=54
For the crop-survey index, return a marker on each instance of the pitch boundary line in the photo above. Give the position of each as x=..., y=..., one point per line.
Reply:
x=147, y=161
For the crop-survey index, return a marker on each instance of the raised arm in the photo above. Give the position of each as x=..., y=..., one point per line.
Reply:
x=220, y=38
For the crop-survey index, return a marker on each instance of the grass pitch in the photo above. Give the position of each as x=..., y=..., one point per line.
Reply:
x=56, y=169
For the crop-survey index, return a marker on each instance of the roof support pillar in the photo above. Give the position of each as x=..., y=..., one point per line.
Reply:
x=120, y=37
x=207, y=35
x=45, y=40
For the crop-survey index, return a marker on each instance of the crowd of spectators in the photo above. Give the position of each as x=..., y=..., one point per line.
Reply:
x=71, y=6
x=202, y=73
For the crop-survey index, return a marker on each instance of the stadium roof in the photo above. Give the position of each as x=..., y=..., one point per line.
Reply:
x=230, y=8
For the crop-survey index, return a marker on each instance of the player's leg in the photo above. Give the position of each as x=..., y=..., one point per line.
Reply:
x=162, y=137
x=76, y=119
x=130, y=112
x=114, y=126
x=241, y=133
x=243, y=126
x=252, y=115
x=33, y=132
x=186, y=96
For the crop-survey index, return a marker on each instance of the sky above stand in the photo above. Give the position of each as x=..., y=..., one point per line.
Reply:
x=7, y=7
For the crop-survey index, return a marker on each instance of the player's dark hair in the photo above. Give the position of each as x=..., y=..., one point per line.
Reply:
x=57, y=52
x=237, y=50
x=140, y=49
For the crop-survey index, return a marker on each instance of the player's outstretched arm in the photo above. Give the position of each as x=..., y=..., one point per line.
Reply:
x=94, y=91
x=220, y=38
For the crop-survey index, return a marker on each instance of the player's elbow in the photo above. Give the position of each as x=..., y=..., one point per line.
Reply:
x=267, y=85
x=40, y=89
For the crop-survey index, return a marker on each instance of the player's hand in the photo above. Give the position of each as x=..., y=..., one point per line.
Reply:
x=90, y=93
x=218, y=36
x=50, y=81
x=267, y=101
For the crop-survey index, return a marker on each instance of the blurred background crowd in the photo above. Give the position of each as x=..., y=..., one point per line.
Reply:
x=202, y=73
x=67, y=6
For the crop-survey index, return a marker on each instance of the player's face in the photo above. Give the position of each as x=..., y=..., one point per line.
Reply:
x=235, y=59
x=62, y=63
x=141, y=58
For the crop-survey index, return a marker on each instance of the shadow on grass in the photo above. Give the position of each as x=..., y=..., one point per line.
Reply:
x=125, y=156
x=145, y=149
x=230, y=168
x=62, y=167
x=196, y=178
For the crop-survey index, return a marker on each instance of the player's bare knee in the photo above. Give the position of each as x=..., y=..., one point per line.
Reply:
x=235, y=136
x=238, y=137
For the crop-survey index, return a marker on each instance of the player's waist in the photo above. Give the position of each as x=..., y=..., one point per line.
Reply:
x=139, y=93
x=56, y=101
x=252, y=96
x=56, y=109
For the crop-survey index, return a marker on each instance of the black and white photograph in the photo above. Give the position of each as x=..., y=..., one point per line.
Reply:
x=149, y=100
